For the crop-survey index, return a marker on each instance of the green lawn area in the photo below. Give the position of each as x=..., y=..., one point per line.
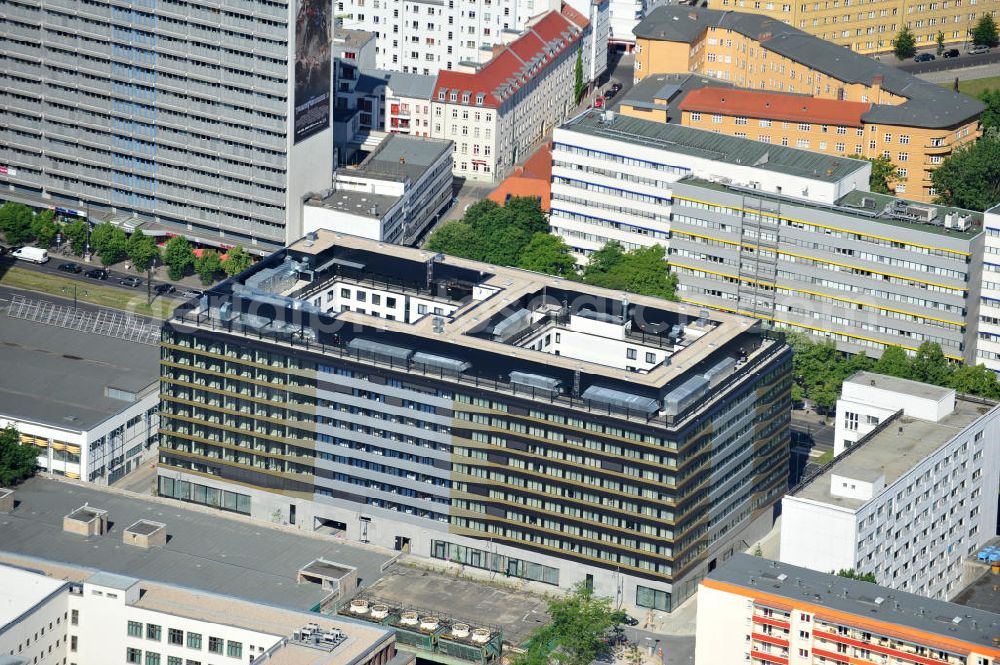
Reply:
x=973, y=87
x=133, y=300
x=825, y=457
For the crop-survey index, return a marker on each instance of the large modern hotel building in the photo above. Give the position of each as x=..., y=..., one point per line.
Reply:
x=497, y=418
x=209, y=118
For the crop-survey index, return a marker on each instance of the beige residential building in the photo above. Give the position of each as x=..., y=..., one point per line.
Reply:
x=870, y=27
x=797, y=90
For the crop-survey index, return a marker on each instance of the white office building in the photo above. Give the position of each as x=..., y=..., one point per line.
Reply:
x=909, y=500
x=394, y=195
x=789, y=236
x=99, y=618
x=988, y=343
x=87, y=402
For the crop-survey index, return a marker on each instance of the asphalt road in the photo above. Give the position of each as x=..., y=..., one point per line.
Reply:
x=946, y=64
x=56, y=259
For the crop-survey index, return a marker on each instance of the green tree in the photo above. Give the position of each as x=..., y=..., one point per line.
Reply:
x=850, y=573
x=894, y=362
x=574, y=636
x=76, y=235
x=990, y=119
x=456, y=238
x=643, y=270
x=970, y=176
x=526, y=213
x=178, y=256
x=15, y=222
x=208, y=265
x=142, y=250
x=929, y=365
x=17, y=461
x=44, y=228
x=547, y=253
x=604, y=260
x=578, y=85
x=905, y=44
x=939, y=40
x=985, y=32
x=109, y=242
x=237, y=260
x=884, y=175
x=975, y=380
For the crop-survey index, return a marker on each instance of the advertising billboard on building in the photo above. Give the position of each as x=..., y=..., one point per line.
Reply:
x=312, y=67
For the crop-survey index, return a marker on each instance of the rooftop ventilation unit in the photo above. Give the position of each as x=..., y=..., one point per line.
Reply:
x=512, y=325
x=620, y=401
x=685, y=395
x=441, y=362
x=371, y=347
x=536, y=381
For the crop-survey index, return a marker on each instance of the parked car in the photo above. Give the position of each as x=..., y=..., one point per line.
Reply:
x=610, y=93
x=32, y=254
x=74, y=268
x=96, y=273
x=978, y=49
x=130, y=281
x=924, y=57
x=951, y=53
x=630, y=620
x=192, y=293
x=164, y=289
x=599, y=103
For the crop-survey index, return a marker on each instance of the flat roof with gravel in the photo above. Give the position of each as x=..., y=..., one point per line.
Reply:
x=211, y=551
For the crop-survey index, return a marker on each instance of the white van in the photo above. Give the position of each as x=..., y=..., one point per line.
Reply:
x=33, y=254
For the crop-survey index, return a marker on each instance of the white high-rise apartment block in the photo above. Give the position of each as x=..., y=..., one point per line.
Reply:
x=104, y=619
x=868, y=399
x=988, y=343
x=426, y=36
x=208, y=119
x=909, y=500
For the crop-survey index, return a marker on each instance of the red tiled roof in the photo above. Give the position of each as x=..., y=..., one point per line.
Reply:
x=532, y=179
x=774, y=106
x=575, y=17
x=547, y=38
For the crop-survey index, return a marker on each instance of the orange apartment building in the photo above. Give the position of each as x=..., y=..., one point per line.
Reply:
x=869, y=27
x=780, y=85
x=760, y=612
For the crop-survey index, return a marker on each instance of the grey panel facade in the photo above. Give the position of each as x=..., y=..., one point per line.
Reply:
x=174, y=111
x=864, y=282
